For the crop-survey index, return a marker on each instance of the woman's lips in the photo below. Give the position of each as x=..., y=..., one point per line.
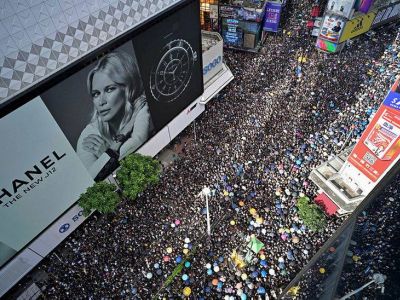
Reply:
x=104, y=111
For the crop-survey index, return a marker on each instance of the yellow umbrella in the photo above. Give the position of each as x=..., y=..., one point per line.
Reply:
x=185, y=251
x=226, y=193
x=187, y=291
x=262, y=256
x=322, y=270
x=233, y=222
x=169, y=250
x=253, y=211
x=244, y=276
x=260, y=220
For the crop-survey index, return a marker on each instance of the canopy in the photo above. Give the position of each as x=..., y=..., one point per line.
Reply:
x=255, y=245
x=327, y=204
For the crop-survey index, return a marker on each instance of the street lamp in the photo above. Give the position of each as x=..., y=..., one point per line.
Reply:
x=377, y=278
x=205, y=192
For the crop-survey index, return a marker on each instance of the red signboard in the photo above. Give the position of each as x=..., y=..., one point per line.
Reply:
x=379, y=145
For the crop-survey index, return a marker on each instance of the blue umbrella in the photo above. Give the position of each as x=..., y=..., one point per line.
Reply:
x=243, y=296
x=263, y=262
x=134, y=291
x=209, y=271
x=185, y=277
x=187, y=264
x=254, y=274
x=221, y=259
x=261, y=290
x=178, y=259
x=156, y=265
x=158, y=272
x=263, y=273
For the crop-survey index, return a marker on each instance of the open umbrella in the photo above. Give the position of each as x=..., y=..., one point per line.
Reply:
x=187, y=264
x=187, y=240
x=149, y=275
x=187, y=291
x=169, y=250
x=178, y=259
x=166, y=258
x=263, y=273
x=156, y=266
x=185, y=277
x=209, y=272
x=261, y=290
x=214, y=281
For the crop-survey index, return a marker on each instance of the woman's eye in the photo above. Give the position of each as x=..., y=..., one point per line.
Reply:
x=110, y=89
x=95, y=94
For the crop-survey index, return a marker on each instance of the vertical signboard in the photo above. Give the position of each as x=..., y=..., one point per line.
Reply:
x=341, y=7
x=331, y=28
x=379, y=146
x=272, y=17
x=365, y=5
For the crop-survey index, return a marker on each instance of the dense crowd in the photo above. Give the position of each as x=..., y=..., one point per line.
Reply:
x=255, y=146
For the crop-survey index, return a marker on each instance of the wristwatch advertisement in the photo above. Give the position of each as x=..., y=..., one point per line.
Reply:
x=171, y=64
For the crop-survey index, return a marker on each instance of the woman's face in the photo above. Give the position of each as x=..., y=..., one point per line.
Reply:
x=108, y=97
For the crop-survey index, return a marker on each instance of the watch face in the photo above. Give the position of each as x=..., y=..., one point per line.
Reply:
x=171, y=74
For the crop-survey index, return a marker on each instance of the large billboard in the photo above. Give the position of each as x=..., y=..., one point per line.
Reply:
x=272, y=17
x=341, y=7
x=332, y=27
x=379, y=146
x=357, y=26
x=75, y=131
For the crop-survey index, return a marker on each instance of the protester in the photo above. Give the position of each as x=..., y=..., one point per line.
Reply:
x=255, y=147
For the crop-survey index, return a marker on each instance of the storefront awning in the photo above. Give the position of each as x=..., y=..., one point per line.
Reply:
x=327, y=204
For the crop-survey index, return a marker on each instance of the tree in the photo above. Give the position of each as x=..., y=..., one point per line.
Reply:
x=137, y=172
x=311, y=214
x=100, y=196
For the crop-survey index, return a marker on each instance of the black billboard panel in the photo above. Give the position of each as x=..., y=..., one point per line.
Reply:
x=169, y=56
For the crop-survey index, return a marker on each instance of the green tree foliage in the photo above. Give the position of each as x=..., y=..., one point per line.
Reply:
x=100, y=196
x=137, y=172
x=311, y=214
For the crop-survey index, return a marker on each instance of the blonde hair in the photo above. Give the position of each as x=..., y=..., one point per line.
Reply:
x=122, y=69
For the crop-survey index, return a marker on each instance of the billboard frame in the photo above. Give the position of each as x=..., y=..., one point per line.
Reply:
x=31, y=92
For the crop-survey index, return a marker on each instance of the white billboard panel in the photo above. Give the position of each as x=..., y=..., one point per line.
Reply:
x=341, y=7
x=40, y=176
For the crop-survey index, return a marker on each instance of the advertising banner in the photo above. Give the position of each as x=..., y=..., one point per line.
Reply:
x=379, y=146
x=332, y=27
x=341, y=7
x=40, y=176
x=232, y=33
x=357, y=26
x=241, y=13
x=326, y=46
x=364, y=5
x=111, y=107
x=316, y=27
x=386, y=14
x=272, y=17
x=77, y=130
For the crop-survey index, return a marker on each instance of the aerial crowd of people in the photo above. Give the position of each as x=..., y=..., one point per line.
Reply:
x=287, y=111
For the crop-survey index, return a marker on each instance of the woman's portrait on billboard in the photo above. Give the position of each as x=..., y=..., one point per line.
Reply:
x=120, y=121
